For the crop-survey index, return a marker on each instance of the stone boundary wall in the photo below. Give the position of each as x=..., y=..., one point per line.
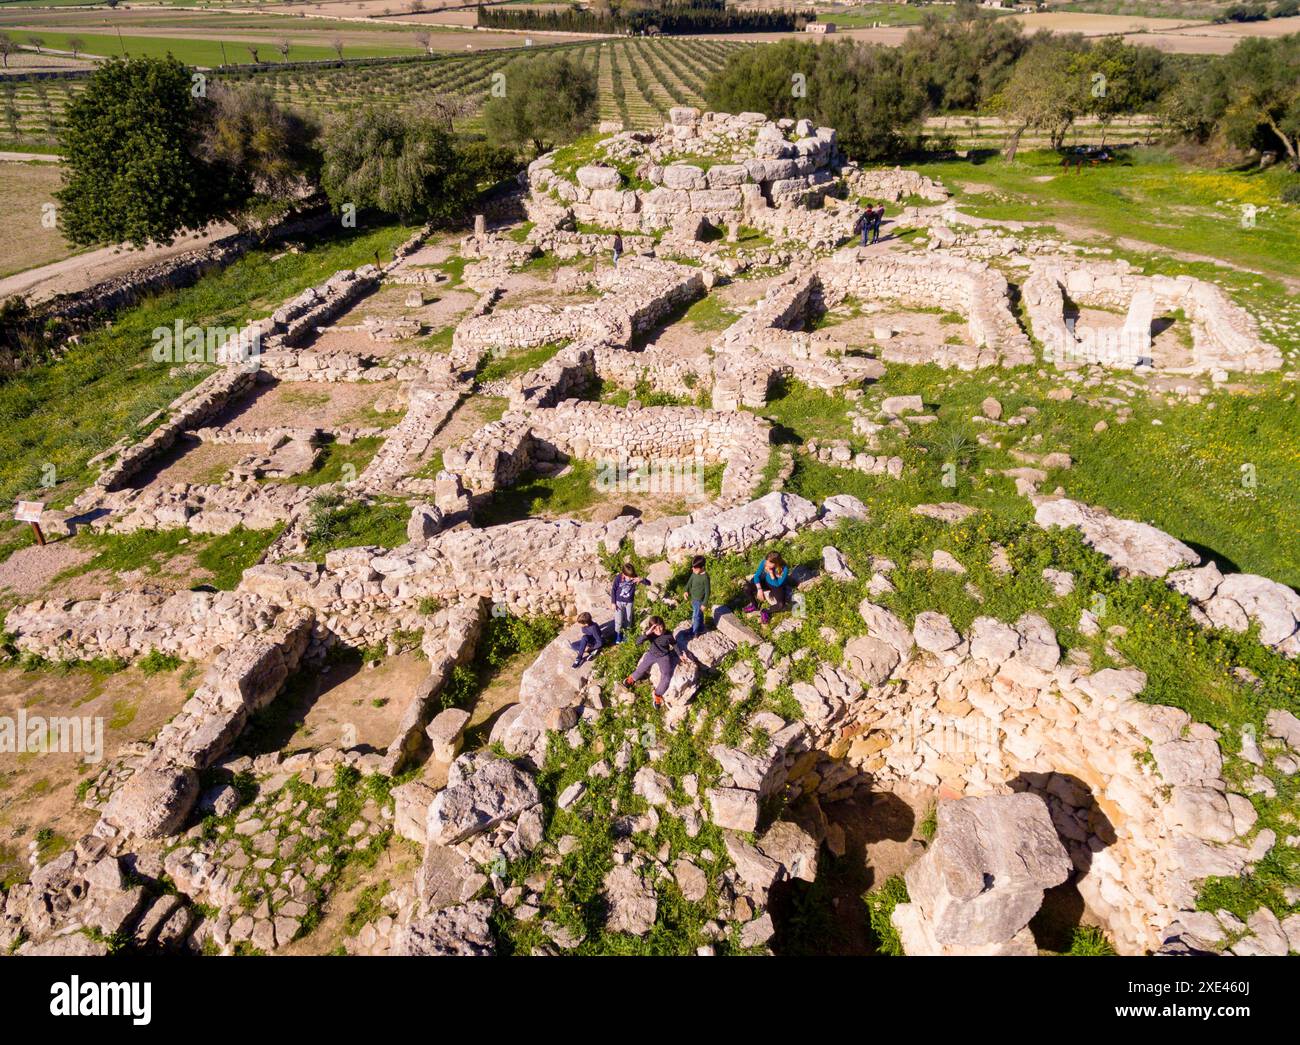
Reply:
x=634, y=297
x=1135, y=790
x=892, y=184
x=200, y=404
x=192, y=625
x=205, y=507
x=665, y=371
x=450, y=641
x=494, y=456
x=1224, y=335
x=970, y=287
x=156, y=800
x=407, y=444
x=569, y=370
x=122, y=291
x=621, y=434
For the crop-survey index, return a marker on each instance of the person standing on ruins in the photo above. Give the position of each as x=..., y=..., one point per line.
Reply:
x=877, y=216
x=662, y=652
x=863, y=224
x=618, y=247
x=699, y=590
x=770, y=586
x=622, y=597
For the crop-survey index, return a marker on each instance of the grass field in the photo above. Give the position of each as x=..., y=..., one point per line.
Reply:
x=25, y=188
x=1146, y=196
x=207, y=53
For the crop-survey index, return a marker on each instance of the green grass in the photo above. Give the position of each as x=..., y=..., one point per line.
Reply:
x=500, y=367
x=62, y=413
x=200, y=52
x=223, y=556
x=335, y=524
x=1147, y=196
x=709, y=313
x=564, y=495
x=338, y=462
x=880, y=905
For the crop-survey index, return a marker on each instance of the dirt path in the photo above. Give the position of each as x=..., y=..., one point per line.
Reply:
x=77, y=273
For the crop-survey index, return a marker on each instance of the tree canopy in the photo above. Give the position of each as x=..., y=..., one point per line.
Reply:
x=546, y=101
x=131, y=168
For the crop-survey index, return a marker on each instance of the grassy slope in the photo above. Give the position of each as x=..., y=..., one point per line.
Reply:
x=1149, y=197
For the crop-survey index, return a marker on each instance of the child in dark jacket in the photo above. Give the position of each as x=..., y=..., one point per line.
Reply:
x=662, y=651
x=622, y=597
x=698, y=590
x=589, y=642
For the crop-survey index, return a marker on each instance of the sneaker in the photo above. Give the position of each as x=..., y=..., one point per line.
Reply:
x=659, y=701
x=751, y=608
x=765, y=617
x=578, y=663
x=629, y=682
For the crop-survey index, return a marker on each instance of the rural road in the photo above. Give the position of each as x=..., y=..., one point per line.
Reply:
x=29, y=157
x=84, y=270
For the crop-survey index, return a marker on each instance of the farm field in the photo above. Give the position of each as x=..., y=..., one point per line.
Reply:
x=639, y=81
x=25, y=188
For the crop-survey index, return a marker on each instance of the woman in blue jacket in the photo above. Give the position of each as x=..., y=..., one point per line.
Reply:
x=769, y=587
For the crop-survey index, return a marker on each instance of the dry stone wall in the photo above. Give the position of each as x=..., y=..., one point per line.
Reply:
x=1224, y=335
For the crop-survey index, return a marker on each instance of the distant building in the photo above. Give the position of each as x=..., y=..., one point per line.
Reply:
x=819, y=27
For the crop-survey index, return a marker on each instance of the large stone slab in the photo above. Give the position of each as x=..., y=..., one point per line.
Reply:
x=482, y=791
x=982, y=879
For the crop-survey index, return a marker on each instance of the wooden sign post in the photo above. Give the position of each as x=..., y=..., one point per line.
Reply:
x=30, y=512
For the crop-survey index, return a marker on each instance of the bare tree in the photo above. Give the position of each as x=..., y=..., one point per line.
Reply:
x=444, y=109
x=282, y=45
x=36, y=41
x=337, y=44
x=425, y=40
x=7, y=47
x=76, y=45
x=252, y=51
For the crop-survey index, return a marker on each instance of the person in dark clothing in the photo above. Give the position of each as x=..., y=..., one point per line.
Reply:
x=864, y=224
x=622, y=597
x=770, y=587
x=618, y=248
x=698, y=589
x=589, y=642
x=878, y=215
x=662, y=652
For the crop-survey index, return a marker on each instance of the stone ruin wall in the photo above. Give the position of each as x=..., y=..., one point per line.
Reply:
x=1135, y=790
x=634, y=298
x=1224, y=335
x=973, y=288
x=501, y=452
x=774, y=171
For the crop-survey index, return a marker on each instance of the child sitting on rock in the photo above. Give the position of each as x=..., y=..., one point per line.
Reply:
x=662, y=651
x=769, y=586
x=589, y=642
